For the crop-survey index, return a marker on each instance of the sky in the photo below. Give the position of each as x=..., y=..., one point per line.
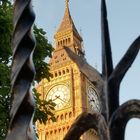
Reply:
x=124, y=25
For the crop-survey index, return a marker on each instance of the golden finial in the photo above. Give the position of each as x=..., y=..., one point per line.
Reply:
x=67, y=3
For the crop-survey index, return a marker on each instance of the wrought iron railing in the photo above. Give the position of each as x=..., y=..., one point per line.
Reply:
x=110, y=123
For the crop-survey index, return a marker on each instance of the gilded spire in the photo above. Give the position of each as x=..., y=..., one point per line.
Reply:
x=67, y=3
x=67, y=22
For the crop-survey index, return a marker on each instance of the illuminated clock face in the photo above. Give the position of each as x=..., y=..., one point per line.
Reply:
x=60, y=95
x=93, y=99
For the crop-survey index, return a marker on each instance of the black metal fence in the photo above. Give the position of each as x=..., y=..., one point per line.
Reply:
x=110, y=123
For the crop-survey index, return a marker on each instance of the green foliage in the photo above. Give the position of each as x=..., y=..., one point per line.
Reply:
x=43, y=107
x=5, y=53
x=5, y=31
x=4, y=75
x=4, y=114
x=4, y=99
x=43, y=49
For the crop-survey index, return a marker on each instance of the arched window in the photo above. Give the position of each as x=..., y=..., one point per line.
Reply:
x=51, y=132
x=68, y=40
x=67, y=70
x=59, y=73
x=59, y=130
x=57, y=118
x=68, y=127
x=66, y=115
x=47, y=136
x=70, y=114
x=55, y=57
x=51, y=75
x=62, y=117
x=63, y=71
x=55, y=74
x=55, y=131
x=63, y=42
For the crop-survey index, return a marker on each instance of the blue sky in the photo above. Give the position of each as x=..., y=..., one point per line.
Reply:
x=124, y=24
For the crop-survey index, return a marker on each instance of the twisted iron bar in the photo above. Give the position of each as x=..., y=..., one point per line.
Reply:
x=23, y=71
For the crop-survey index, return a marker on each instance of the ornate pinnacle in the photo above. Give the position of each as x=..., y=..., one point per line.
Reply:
x=67, y=3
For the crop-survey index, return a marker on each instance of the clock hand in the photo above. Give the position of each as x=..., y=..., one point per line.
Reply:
x=56, y=97
x=61, y=99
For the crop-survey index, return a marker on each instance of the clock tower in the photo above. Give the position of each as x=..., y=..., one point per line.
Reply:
x=72, y=84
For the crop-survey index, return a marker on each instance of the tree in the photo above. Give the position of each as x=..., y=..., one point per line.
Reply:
x=5, y=31
x=43, y=107
x=43, y=49
x=5, y=53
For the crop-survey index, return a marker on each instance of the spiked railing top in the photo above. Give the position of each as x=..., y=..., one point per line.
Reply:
x=107, y=64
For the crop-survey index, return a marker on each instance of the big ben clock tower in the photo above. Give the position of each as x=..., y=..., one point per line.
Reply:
x=71, y=85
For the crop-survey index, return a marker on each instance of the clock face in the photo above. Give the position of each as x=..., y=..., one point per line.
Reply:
x=60, y=95
x=93, y=99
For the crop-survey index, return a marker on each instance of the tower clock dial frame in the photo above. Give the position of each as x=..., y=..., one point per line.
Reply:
x=60, y=95
x=93, y=99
